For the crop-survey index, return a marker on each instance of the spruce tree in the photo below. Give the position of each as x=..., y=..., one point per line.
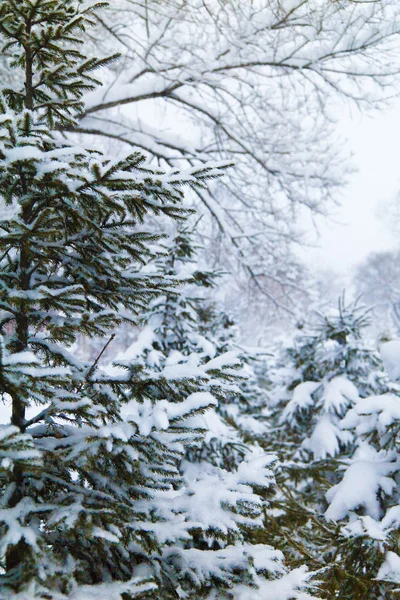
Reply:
x=173, y=335
x=329, y=369
x=184, y=323
x=93, y=497
x=219, y=469
x=190, y=322
x=365, y=502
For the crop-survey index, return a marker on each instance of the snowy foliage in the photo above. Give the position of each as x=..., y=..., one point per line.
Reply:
x=145, y=451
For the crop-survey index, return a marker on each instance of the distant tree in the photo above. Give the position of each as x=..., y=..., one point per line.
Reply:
x=377, y=279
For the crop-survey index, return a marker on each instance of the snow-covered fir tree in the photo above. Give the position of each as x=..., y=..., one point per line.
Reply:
x=184, y=323
x=329, y=368
x=94, y=500
x=173, y=334
x=366, y=502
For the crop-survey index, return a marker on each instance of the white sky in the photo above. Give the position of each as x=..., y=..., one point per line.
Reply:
x=357, y=229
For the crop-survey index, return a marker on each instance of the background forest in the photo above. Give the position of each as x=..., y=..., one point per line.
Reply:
x=189, y=409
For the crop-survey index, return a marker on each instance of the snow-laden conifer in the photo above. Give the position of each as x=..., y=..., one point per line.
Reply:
x=219, y=502
x=94, y=500
x=330, y=368
x=187, y=323
x=365, y=503
x=326, y=370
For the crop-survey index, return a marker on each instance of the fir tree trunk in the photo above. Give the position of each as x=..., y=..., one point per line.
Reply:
x=17, y=555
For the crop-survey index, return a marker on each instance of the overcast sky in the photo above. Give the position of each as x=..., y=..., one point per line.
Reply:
x=375, y=143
